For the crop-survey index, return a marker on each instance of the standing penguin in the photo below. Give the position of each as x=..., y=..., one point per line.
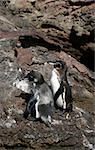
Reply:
x=60, y=86
x=41, y=100
x=43, y=96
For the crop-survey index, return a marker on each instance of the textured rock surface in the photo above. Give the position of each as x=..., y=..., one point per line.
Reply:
x=31, y=34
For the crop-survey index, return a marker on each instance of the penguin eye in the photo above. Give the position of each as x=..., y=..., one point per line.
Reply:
x=58, y=65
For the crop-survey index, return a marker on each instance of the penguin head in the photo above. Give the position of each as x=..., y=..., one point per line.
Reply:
x=35, y=77
x=59, y=65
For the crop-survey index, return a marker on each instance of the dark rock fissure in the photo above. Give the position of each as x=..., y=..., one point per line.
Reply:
x=28, y=41
x=77, y=41
x=49, y=25
x=87, y=57
x=81, y=3
x=16, y=146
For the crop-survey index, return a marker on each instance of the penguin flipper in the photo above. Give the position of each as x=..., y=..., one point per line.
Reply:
x=26, y=113
x=59, y=92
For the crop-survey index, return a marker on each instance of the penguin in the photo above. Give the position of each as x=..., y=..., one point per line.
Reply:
x=41, y=100
x=61, y=89
x=43, y=96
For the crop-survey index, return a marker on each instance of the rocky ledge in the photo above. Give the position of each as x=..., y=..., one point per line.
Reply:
x=32, y=33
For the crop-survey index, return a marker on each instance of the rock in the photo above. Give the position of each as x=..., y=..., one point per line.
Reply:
x=10, y=123
x=2, y=111
x=6, y=24
x=87, y=94
x=33, y=132
x=24, y=56
x=81, y=1
x=20, y=4
x=31, y=33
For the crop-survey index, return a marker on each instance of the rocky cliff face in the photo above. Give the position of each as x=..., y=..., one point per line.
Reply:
x=31, y=33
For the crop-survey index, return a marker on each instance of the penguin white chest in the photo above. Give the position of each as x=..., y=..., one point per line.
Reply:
x=54, y=81
x=55, y=84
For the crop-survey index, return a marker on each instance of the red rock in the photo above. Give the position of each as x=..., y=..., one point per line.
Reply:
x=70, y=61
x=24, y=56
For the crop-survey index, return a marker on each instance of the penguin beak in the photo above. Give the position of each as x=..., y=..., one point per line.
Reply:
x=51, y=63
